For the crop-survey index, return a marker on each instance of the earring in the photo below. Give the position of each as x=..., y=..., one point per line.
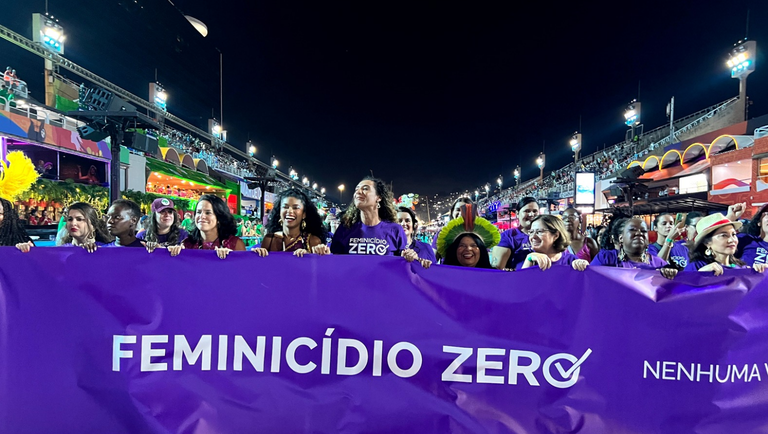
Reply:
x=644, y=256
x=303, y=224
x=708, y=252
x=622, y=254
x=378, y=205
x=280, y=221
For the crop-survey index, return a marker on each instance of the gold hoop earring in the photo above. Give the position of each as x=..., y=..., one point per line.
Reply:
x=303, y=224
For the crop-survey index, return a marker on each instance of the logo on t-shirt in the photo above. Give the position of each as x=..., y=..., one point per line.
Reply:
x=368, y=246
x=680, y=261
x=761, y=256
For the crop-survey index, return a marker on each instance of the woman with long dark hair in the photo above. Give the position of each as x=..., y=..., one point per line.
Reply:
x=715, y=246
x=12, y=231
x=163, y=228
x=294, y=225
x=468, y=250
x=455, y=212
x=753, y=242
x=665, y=246
x=369, y=225
x=215, y=228
x=515, y=241
x=407, y=219
x=465, y=241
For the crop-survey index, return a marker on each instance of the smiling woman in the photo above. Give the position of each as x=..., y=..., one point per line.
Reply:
x=294, y=226
x=215, y=228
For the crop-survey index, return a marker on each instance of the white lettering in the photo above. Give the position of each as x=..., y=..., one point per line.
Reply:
x=341, y=363
x=527, y=370
x=118, y=353
x=290, y=355
x=147, y=352
x=483, y=364
x=243, y=349
x=647, y=367
x=202, y=350
x=392, y=359
x=450, y=372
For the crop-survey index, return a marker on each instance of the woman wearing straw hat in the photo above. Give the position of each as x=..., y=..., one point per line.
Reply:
x=715, y=245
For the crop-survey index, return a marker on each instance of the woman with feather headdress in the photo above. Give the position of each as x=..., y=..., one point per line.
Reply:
x=465, y=241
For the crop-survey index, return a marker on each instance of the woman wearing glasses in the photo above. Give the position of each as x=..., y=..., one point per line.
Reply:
x=549, y=240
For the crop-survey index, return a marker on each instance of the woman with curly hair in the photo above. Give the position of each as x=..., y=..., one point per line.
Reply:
x=215, y=228
x=369, y=226
x=12, y=231
x=293, y=226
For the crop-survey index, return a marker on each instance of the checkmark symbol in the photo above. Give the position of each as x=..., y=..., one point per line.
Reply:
x=567, y=374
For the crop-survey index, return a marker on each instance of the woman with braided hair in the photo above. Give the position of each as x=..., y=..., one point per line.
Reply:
x=12, y=231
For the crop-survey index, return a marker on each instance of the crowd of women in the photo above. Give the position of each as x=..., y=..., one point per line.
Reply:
x=372, y=225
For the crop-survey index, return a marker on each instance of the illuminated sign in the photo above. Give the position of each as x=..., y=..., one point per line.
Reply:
x=585, y=189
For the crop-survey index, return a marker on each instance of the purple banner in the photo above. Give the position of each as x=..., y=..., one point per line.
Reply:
x=122, y=341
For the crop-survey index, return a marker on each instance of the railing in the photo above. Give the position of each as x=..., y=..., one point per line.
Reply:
x=761, y=132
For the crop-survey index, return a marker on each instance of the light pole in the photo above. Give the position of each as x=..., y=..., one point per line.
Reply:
x=575, y=143
x=251, y=148
x=275, y=163
x=540, y=161
x=477, y=193
x=742, y=63
x=322, y=191
x=341, y=194
x=632, y=120
x=500, y=181
x=517, y=176
x=487, y=190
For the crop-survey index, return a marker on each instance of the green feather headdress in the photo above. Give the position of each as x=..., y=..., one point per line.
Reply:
x=464, y=224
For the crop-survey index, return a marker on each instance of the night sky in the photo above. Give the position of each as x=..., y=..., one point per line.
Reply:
x=430, y=96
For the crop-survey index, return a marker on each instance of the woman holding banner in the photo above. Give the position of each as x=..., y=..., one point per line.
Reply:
x=407, y=219
x=83, y=228
x=295, y=226
x=515, y=240
x=753, y=242
x=715, y=246
x=465, y=241
x=633, y=249
x=549, y=241
x=456, y=208
x=215, y=228
x=369, y=226
x=163, y=228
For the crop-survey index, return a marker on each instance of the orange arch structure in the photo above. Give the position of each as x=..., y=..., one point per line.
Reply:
x=171, y=156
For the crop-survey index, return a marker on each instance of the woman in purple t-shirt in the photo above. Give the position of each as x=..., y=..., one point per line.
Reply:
x=549, y=240
x=369, y=226
x=633, y=249
x=753, y=242
x=715, y=246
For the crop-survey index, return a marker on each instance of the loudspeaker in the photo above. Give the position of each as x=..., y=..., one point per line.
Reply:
x=141, y=142
x=98, y=99
x=87, y=132
x=633, y=172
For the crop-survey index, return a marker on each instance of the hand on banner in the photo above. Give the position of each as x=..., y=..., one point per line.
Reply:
x=175, y=250
x=760, y=268
x=425, y=263
x=222, y=252
x=735, y=211
x=321, y=249
x=261, y=251
x=409, y=255
x=717, y=268
x=580, y=264
x=24, y=247
x=300, y=252
x=670, y=273
x=539, y=259
x=90, y=247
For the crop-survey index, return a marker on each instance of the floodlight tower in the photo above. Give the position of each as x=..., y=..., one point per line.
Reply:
x=632, y=120
x=742, y=63
x=575, y=143
x=540, y=161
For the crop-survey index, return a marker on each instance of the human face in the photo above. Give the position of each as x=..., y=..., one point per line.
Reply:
x=690, y=230
x=119, y=221
x=205, y=219
x=78, y=225
x=527, y=214
x=2, y=214
x=763, y=224
x=406, y=222
x=635, y=236
x=541, y=237
x=724, y=241
x=456, y=211
x=292, y=212
x=365, y=195
x=165, y=219
x=666, y=223
x=468, y=253
x=572, y=220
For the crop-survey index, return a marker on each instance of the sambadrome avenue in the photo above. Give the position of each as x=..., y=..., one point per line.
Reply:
x=354, y=217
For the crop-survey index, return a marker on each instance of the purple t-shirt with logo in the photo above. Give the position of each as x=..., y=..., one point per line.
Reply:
x=696, y=265
x=752, y=249
x=386, y=238
x=517, y=241
x=610, y=258
x=566, y=258
x=678, y=255
x=163, y=239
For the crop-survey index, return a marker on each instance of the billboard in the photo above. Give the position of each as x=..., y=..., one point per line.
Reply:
x=585, y=189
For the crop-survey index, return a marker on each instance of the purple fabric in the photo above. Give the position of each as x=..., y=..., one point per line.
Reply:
x=584, y=253
x=517, y=241
x=678, y=256
x=163, y=239
x=606, y=350
x=424, y=250
x=566, y=259
x=386, y=238
x=610, y=258
x=695, y=265
x=752, y=249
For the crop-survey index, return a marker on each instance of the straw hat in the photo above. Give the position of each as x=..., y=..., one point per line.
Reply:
x=707, y=225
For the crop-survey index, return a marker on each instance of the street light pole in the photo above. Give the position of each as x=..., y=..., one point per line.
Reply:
x=540, y=162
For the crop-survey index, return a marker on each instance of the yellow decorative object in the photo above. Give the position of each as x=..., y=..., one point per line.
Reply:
x=17, y=175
